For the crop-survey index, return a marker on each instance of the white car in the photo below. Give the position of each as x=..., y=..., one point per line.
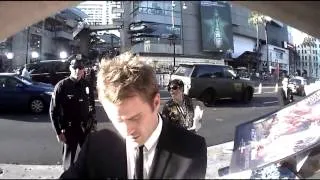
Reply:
x=296, y=84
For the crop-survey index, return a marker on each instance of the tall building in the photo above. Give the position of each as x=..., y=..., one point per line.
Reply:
x=96, y=11
x=46, y=39
x=101, y=13
x=205, y=31
x=309, y=59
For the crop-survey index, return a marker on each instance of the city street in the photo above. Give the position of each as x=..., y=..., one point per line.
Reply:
x=30, y=139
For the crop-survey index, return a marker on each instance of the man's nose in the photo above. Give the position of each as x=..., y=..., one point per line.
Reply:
x=130, y=127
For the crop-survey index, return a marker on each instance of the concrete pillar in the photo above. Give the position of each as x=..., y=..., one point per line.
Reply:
x=84, y=41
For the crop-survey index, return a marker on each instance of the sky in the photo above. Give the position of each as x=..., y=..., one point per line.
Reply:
x=297, y=35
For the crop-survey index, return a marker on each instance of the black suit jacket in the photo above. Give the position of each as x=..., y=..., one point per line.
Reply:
x=180, y=154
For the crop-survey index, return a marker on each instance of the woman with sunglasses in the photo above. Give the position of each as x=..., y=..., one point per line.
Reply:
x=179, y=109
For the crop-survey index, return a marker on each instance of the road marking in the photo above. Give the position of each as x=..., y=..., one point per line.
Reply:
x=270, y=92
x=219, y=119
x=270, y=102
x=163, y=98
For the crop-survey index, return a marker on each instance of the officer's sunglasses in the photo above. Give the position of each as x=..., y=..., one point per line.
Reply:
x=174, y=87
x=80, y=67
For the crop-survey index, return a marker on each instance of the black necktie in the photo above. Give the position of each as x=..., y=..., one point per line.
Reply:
x=139, y=164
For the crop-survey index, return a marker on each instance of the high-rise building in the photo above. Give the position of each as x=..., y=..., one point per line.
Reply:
x=309, y=63
x=207, y=31
x=101, y=13
x=96, y=10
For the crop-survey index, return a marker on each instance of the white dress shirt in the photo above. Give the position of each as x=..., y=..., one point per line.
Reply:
x=148, y=152
x=25, y=73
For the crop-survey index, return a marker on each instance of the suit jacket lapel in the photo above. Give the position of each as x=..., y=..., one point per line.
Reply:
x=162, y=155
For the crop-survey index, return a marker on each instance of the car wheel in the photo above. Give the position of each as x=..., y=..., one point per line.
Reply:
x=36, y=106
x=208, y=98
x=247, y=96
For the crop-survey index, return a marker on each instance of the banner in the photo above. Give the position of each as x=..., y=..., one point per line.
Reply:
x=217, y=33
x=285, y=133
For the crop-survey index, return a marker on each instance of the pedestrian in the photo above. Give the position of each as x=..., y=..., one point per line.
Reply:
x=140, y=144
x=25, y=73
x=179, y=109
x=71, y=109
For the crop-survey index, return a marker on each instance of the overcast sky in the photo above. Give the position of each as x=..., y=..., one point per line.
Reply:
x=297, y=36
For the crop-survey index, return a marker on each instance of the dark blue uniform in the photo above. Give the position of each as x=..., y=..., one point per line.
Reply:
x=72, y=106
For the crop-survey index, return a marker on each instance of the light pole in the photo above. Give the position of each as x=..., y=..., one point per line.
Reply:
x=27, y=53
x=266, y=20
x=173, y=34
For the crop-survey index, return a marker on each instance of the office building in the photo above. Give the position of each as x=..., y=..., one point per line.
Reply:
x=149, y=25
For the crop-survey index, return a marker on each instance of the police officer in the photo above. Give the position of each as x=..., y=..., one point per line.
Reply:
x=71, y=107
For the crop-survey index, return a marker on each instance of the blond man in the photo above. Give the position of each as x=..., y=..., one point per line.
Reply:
x=141, y=144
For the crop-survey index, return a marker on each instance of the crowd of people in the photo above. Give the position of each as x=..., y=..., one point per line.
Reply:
x=144, y=142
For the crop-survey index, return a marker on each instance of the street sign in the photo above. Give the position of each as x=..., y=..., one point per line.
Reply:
x=117, y=10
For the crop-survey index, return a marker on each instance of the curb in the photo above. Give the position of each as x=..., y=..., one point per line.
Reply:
x=218, y=156
x=15, y=171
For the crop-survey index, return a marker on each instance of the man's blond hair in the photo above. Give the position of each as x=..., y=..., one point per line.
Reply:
x=125, y=76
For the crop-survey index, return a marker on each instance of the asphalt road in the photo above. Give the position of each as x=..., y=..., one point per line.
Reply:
x=30, y=139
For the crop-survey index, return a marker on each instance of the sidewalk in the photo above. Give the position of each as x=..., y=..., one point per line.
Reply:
x=218, y=156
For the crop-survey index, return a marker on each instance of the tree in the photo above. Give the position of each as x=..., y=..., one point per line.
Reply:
x=257, y=19
x=309, y=42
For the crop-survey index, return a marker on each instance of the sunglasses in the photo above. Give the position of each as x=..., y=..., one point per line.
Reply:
x=173, y=87
x=78, y=67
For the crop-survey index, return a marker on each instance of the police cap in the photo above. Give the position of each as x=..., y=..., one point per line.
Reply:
x=76, y=63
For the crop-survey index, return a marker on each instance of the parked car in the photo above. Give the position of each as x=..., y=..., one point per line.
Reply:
x=18, y=92
x=209, y=82
x=296, y=84
x=48, y=71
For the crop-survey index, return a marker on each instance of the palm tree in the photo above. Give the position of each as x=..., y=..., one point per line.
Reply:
x=256, y=19
x=309, y=42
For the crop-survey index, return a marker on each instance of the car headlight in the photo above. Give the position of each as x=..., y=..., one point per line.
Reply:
x=48, y=93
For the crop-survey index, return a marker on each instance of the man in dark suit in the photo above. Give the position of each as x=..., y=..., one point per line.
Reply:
x=140, y=144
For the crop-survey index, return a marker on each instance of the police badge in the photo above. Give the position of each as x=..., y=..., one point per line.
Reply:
x=87, y=90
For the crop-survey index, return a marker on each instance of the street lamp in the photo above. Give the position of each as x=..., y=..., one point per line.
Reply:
x=34, y=54
x=266, y=20
x=63, y=55
x=10, y=55
x=184, y=6
x=172, y=36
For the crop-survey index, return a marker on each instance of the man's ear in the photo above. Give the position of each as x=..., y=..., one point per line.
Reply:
x=156, y=102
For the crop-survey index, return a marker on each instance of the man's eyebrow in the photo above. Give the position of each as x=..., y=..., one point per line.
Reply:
x=135, y=116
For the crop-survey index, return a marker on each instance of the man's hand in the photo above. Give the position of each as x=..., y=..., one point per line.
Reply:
x=61, y=138
x=94, y=127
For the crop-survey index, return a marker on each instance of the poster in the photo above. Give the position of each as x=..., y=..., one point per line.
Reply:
x=217, y=33
x=289, y=131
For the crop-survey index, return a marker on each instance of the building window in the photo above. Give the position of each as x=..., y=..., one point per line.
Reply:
x=302, y=58
x=279, y=55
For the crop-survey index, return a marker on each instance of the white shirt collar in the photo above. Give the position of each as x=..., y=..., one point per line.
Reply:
x=153, y=139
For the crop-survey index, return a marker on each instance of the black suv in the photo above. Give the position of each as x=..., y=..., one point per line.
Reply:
x=209, y=82
x=49, y=71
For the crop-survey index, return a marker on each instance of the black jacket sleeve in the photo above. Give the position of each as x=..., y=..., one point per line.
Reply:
x=91, y=99
x=198, y=168
x=55, y=110
x=80, y=168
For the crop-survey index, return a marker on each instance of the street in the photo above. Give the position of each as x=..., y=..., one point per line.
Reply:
x=30, y=139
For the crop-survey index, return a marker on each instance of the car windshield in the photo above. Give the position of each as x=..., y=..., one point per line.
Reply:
x=184, y=70
x=295, y=81
x=231, y=60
